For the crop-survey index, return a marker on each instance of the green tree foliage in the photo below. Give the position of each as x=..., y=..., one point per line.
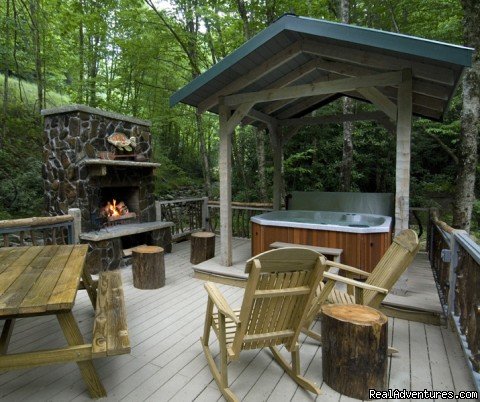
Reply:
x=129, y=56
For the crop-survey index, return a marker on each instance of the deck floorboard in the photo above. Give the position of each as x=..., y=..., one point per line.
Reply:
x=167, y=362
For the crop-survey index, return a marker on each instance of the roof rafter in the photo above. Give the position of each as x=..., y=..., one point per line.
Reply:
x=320, y=88
x=332, y=119
x=305, y=104
x=254, y=74
x=438, y=74
x=289, y=78
x=429, y=89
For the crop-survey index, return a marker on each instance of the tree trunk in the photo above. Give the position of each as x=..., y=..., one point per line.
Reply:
x=81, y=56
x=204, y=156
x=242, y=10
x=148, y=267
x=93, y=70
x=202, y=247
x=465, y=189
x=36, y=23
x=354, y=349
x=262, y=179
x=347, y=154
x=6, y=69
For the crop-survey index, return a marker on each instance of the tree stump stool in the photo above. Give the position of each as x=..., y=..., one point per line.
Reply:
x=148, y=267
x=202, y=247
x=354, y=349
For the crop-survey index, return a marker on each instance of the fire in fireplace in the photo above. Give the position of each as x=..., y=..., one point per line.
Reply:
x=114, y=211
x=118, y=205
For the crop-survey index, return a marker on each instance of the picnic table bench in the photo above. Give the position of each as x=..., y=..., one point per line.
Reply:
x=43, y=280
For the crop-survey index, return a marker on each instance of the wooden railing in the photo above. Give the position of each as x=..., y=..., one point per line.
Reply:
x=194, y=214
x=241, y=214
x=455, y=260
x=188, y=215
x=37, y=231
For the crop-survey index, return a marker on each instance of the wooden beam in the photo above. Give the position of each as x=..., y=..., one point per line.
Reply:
x=404, y=132
x=301, y=106
x=287, y=79
x=329, y=119
x=320, y=88
x=17, y=361
x=237, y=117
x=418, y=99
x=225, y=174
x=380, y=101
x=428, y=89
x=417, y=109
x=425, y=71
x=260, y=116
x=252, y=76
x=274, y=106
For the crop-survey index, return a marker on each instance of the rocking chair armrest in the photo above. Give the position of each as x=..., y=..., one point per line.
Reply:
x=220, y=302
x=348, y=281
x=347, y=268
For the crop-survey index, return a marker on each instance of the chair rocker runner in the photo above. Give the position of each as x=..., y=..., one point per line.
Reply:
x=380, y=281
x=280, y=287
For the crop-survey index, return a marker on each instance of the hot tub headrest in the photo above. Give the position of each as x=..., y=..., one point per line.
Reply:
x=367, y=203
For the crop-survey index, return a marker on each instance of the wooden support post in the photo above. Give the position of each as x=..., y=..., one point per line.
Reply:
x=225, y=173
x=404, y=132
x=354, y=349
x=77, y=223
x=276, y=141
x=227, y=125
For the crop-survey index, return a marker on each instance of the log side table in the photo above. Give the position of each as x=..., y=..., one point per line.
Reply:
x=148, y=267
x=202, y=247
x=354, y=349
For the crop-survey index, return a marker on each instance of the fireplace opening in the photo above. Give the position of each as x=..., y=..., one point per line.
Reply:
x=119, y=205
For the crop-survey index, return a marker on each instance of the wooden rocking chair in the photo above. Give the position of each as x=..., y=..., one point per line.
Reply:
x=379, y=282
x=280, y=287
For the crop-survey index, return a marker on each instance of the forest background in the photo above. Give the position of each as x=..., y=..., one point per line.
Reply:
x=129, y=56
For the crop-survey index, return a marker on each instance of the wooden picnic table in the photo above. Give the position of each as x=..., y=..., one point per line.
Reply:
x=43, y=280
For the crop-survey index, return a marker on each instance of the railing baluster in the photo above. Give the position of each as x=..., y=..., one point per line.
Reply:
x=460, y=280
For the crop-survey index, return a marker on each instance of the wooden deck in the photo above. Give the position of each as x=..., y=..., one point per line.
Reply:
x=167, y=362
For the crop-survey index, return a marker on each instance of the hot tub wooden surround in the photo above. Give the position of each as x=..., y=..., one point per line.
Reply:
x=361, y=250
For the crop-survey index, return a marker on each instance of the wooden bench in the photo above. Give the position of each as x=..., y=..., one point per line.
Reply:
x=335, y=253
x=110, y=332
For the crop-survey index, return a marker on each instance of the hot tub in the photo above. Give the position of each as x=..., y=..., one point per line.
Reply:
x=364, y=238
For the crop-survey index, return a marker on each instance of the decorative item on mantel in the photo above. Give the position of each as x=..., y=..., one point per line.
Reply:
x=123, y=143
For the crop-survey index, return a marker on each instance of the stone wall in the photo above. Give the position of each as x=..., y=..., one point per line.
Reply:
x=76, y=133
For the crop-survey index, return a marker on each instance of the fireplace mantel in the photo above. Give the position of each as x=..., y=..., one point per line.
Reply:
x=119, y=163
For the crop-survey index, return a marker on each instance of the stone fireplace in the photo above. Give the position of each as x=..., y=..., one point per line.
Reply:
x=83, y=170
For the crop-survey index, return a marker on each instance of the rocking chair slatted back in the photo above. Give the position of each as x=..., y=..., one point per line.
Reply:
x=392, y=265
x=280, y=286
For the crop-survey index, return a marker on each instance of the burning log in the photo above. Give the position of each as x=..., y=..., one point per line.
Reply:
x=114, y=211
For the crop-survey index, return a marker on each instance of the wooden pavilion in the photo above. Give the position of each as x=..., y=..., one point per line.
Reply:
x=297, y=65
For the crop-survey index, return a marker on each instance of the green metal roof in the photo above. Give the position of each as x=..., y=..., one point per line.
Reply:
x=289, y=29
